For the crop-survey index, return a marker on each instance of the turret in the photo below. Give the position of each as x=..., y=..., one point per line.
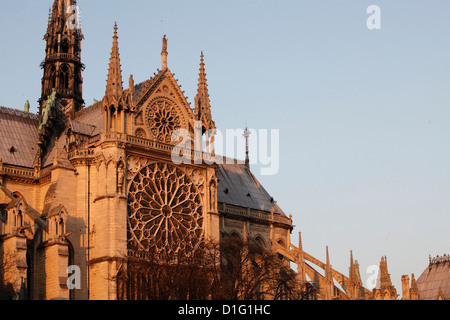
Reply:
x=62, y=65
x=114, y=85
x=203, y=108
x=116, y=103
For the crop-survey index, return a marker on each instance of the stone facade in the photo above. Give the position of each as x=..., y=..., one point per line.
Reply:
x=83, y=188
x=100, y=181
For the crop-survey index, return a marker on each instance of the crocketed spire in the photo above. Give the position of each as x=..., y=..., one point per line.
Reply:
x=114, y=86
x=202, y=102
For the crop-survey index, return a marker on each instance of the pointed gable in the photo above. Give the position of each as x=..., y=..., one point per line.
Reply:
x=161, y=107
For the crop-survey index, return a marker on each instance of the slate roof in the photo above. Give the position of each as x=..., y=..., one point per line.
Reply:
x=18, y=137
x=239, y=187
x=89, y=121
x=82, y=128
x=435, y=279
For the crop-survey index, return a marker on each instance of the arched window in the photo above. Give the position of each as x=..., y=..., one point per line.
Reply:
x=5, y=215
x=19, y=219
x=112, y=119
x=75, y=48
x=65, y=46
x=64, y=77
x=61, y=226
x=53, y=78
x=260, y=241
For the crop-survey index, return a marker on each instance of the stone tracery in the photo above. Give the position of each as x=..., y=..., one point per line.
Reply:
x=163, y=120
x=165, y=211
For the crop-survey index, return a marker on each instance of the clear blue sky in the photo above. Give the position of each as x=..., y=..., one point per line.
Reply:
x=364, y=116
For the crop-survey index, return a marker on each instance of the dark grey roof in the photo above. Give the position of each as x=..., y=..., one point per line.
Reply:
x=18, y=137
x=139, y=87
x=239, y=187
x=89, y=121
x=82, y=128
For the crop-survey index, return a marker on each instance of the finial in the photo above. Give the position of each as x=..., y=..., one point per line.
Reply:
x=300, y=243
x=246, y=135
x=27, y=107
x=328, y=257
x=115, y=30
x=131, y=83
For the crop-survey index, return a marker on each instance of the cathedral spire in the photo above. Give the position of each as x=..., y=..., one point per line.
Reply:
x=246, y=136
x=385, y=279
x=62, y=65
x=384, y=283
x=202, y=102
x=351, y=273
x=64, y=15
x=114, y=86
x=202, y=76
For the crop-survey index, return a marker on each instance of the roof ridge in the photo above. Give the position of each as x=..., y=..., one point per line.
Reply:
x=19, y=113
x=85, y=110
x=146, y=85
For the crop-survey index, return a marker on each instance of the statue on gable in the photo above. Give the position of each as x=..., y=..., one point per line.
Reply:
x=26, y=108
x=164, y=48
x=120, y=177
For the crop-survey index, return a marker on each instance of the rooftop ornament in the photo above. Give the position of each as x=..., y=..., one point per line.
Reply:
x=439, y=259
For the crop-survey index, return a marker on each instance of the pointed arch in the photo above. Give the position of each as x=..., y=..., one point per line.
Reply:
x=65, y=46
x=260, y=241
x=58, y=218
x=52, y=76
x=19, y=218
x=64, y=76
x=99, y=160
x=110, y=160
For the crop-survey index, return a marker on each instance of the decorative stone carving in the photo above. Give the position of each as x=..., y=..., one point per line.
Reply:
x=198, y=179
x=120, y=177
x=135, y=163
x=140, y=133
x=165, y=210
x=162, y=119
x=213, y=195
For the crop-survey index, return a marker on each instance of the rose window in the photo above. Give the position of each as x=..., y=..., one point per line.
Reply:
x=163, y=120
x=165, y=211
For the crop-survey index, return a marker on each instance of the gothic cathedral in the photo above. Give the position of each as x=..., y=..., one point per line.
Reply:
x=87, y=186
